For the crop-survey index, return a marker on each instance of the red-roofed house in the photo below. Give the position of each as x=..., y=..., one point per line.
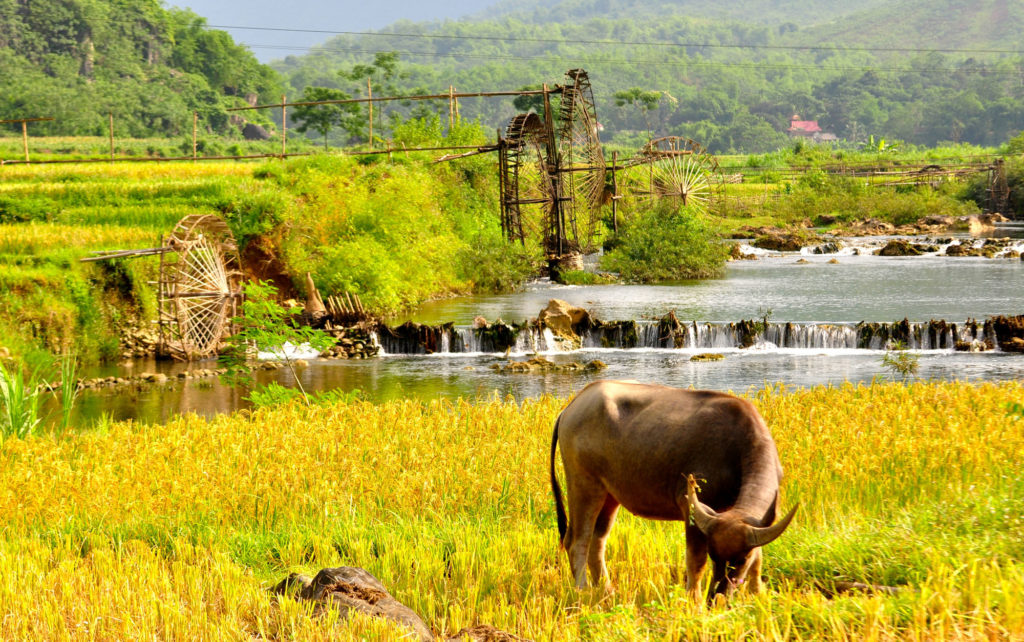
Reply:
x=808, y=129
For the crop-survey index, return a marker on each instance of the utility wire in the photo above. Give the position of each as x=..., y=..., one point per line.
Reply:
x=622, y=61
x=644, y=43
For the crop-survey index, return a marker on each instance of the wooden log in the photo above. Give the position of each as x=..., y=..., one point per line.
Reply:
x=314, y=304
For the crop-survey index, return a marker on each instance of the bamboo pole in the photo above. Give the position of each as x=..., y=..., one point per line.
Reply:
x=451, y=108
x=615, y=195
x=195, y=134
x=471, y=94
x=284, y=127
x=111, y=115
x=501, y=187
x=24, y=138
x=369, y=94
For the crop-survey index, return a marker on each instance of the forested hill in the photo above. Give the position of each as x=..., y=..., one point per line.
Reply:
x=727, y=82
x=773, y=12
x=150, y=66
x=946, y=24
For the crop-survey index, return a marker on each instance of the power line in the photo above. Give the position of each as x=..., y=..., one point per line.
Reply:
x=618, y=42
x=621, y=61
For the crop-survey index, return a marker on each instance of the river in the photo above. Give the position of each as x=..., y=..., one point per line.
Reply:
x=824, y=299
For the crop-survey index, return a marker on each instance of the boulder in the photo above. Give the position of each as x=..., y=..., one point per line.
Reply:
x=936, y=221
x=252, y=131
x=780, y=242
x=737, y=254
x=900, y=247
x=1008, y=331
x=962, y=249
x=869, y=227
x=832, y=247
x=349, y=588
x=564, y=319
x=978, y=225
x=708, y=356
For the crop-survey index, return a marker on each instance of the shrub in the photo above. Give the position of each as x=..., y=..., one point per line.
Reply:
x=666, y=244
x=494, y=265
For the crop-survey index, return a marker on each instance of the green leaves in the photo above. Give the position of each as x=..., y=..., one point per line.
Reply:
x=267, y=325
x=665, y=244
x=324, y=118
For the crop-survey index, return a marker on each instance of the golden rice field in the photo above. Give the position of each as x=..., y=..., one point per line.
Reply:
x=127, y=531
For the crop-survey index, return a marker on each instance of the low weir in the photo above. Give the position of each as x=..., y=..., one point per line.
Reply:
x=669, y=333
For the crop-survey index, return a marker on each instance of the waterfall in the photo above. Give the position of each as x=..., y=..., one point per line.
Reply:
x=661, y=335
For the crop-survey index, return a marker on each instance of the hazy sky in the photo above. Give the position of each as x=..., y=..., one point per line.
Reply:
x=345, y=15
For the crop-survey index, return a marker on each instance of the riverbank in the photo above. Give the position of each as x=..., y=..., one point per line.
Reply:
x=185, y=525
x=395, y=233
x=395, y=230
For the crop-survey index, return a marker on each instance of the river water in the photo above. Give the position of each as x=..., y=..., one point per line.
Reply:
x=824, y=300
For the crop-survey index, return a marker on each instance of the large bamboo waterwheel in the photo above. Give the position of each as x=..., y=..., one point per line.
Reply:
x=676, y=168
x=527, y=188
x=199, y=287
x=581, y=161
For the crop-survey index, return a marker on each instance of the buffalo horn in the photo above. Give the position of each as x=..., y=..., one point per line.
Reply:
x=762, y=535
x=703, y=516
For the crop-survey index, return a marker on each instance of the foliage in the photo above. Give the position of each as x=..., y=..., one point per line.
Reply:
x=497, y=265
x=149, y=66
x=900, y=361
x=737, y=82
x=448, y=503
x=845, y=199
x=323, y=118
x=267, y=325
x=667, y=243
x=582, y=277
x=274, y=394
x=1015, y=146
x=19, y=403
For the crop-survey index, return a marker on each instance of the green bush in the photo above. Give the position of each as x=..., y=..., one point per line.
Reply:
x=667, y=244
x=494, y=265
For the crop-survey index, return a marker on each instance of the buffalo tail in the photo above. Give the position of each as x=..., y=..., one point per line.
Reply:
x=556, y=490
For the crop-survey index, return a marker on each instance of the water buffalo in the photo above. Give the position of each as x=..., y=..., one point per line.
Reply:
x=644, y=447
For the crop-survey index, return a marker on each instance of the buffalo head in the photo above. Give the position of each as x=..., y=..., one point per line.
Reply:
x=734, y=540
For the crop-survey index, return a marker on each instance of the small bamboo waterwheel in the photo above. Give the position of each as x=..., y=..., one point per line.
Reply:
x=199, y=287
x=676, y=168
x=581, y=160
x=527, y=189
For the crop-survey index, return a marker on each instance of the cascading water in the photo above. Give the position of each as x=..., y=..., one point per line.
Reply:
x=626, y=335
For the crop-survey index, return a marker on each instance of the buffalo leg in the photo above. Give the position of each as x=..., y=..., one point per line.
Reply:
x=752, y=572
x=586, y=499
x=595, y=557
x=696, y=560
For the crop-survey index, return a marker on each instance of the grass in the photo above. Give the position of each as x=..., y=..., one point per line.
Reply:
x=176, y=531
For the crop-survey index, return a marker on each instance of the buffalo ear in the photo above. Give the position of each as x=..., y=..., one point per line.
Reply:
x=760, y=536
x=703, y=516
